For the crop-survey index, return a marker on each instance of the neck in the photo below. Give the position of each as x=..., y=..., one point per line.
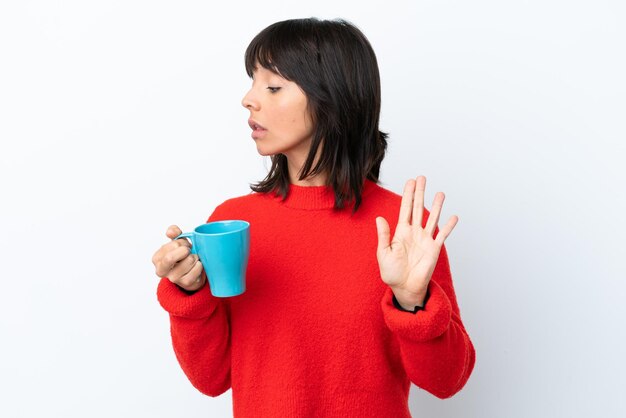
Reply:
x=317, y=180
x=309, y=181
x=295, y=161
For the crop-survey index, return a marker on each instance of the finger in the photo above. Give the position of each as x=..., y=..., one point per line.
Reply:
x=181, y=242
x=170, y=258
x=418, y=203
x=382, y=227
x=182, y=267
x=172, y=234
x=168, y=248
x=446, y=230
x=194, y=279
x=435, y=212
x=161, y=253
x=173, y=231
x=407, y=202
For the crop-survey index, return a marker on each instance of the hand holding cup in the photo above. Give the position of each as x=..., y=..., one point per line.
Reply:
x=175, y=261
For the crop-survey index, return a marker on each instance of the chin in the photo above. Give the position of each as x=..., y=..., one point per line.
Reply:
x=261, y=151
x=266, y=152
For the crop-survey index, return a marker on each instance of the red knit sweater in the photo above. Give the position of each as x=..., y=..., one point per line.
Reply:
x=316, y=334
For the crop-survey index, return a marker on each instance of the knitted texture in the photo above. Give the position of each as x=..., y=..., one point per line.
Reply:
x=316, y=333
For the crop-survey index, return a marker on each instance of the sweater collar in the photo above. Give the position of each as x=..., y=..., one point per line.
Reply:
x=318, y=197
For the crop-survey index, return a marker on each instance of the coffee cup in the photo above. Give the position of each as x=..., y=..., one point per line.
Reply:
x=223, y=248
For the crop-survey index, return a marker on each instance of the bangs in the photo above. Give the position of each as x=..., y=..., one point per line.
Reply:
x=259, y=53
x=280, y=48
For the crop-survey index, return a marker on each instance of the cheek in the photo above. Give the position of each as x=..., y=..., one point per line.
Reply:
x=293, y=115
x=300, y=116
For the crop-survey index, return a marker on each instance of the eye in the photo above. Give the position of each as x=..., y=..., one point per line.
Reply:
x=273, y=89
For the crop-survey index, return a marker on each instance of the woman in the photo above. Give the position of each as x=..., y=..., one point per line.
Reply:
x=338, y=318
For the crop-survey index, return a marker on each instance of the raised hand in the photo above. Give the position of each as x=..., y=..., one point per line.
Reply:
x=407, y=262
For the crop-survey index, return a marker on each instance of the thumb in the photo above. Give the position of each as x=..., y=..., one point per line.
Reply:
x=383, y=233
x=173, y=231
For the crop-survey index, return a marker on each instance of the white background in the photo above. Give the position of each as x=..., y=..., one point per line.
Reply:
x=119, y=118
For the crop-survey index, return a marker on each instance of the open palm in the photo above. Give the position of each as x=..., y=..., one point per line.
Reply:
x=407, y=262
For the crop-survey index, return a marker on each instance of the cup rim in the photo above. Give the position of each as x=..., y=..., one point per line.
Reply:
x=243, y=225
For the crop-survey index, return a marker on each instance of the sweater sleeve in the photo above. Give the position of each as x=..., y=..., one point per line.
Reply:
x=436, y=351
x=200, y=331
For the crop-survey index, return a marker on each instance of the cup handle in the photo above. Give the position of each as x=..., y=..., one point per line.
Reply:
x=190, y=236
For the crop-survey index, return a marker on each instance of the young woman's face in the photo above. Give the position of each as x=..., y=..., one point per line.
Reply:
x=280, y=121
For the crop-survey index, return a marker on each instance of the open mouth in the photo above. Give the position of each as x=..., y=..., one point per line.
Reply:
x=258, y=131
x=255, y=126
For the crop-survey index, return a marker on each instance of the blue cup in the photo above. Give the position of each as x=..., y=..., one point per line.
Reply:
x=223, y=248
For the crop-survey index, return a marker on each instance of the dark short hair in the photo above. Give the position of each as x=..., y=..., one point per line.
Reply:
x=335, y=65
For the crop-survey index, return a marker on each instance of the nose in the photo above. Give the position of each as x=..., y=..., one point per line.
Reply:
x=249, y=102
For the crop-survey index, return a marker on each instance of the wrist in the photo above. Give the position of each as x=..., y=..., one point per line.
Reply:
x=409, y=306
x=410, y=301
x=412, y=310
x=188, y=292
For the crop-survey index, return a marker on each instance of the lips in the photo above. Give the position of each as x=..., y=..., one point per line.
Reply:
x=255, y=126
x=258, y=131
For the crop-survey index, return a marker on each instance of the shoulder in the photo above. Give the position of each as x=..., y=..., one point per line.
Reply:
x=237, y=206
x=381, y=191
x=242, y=201
x=387, y=200
x=380, y=195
